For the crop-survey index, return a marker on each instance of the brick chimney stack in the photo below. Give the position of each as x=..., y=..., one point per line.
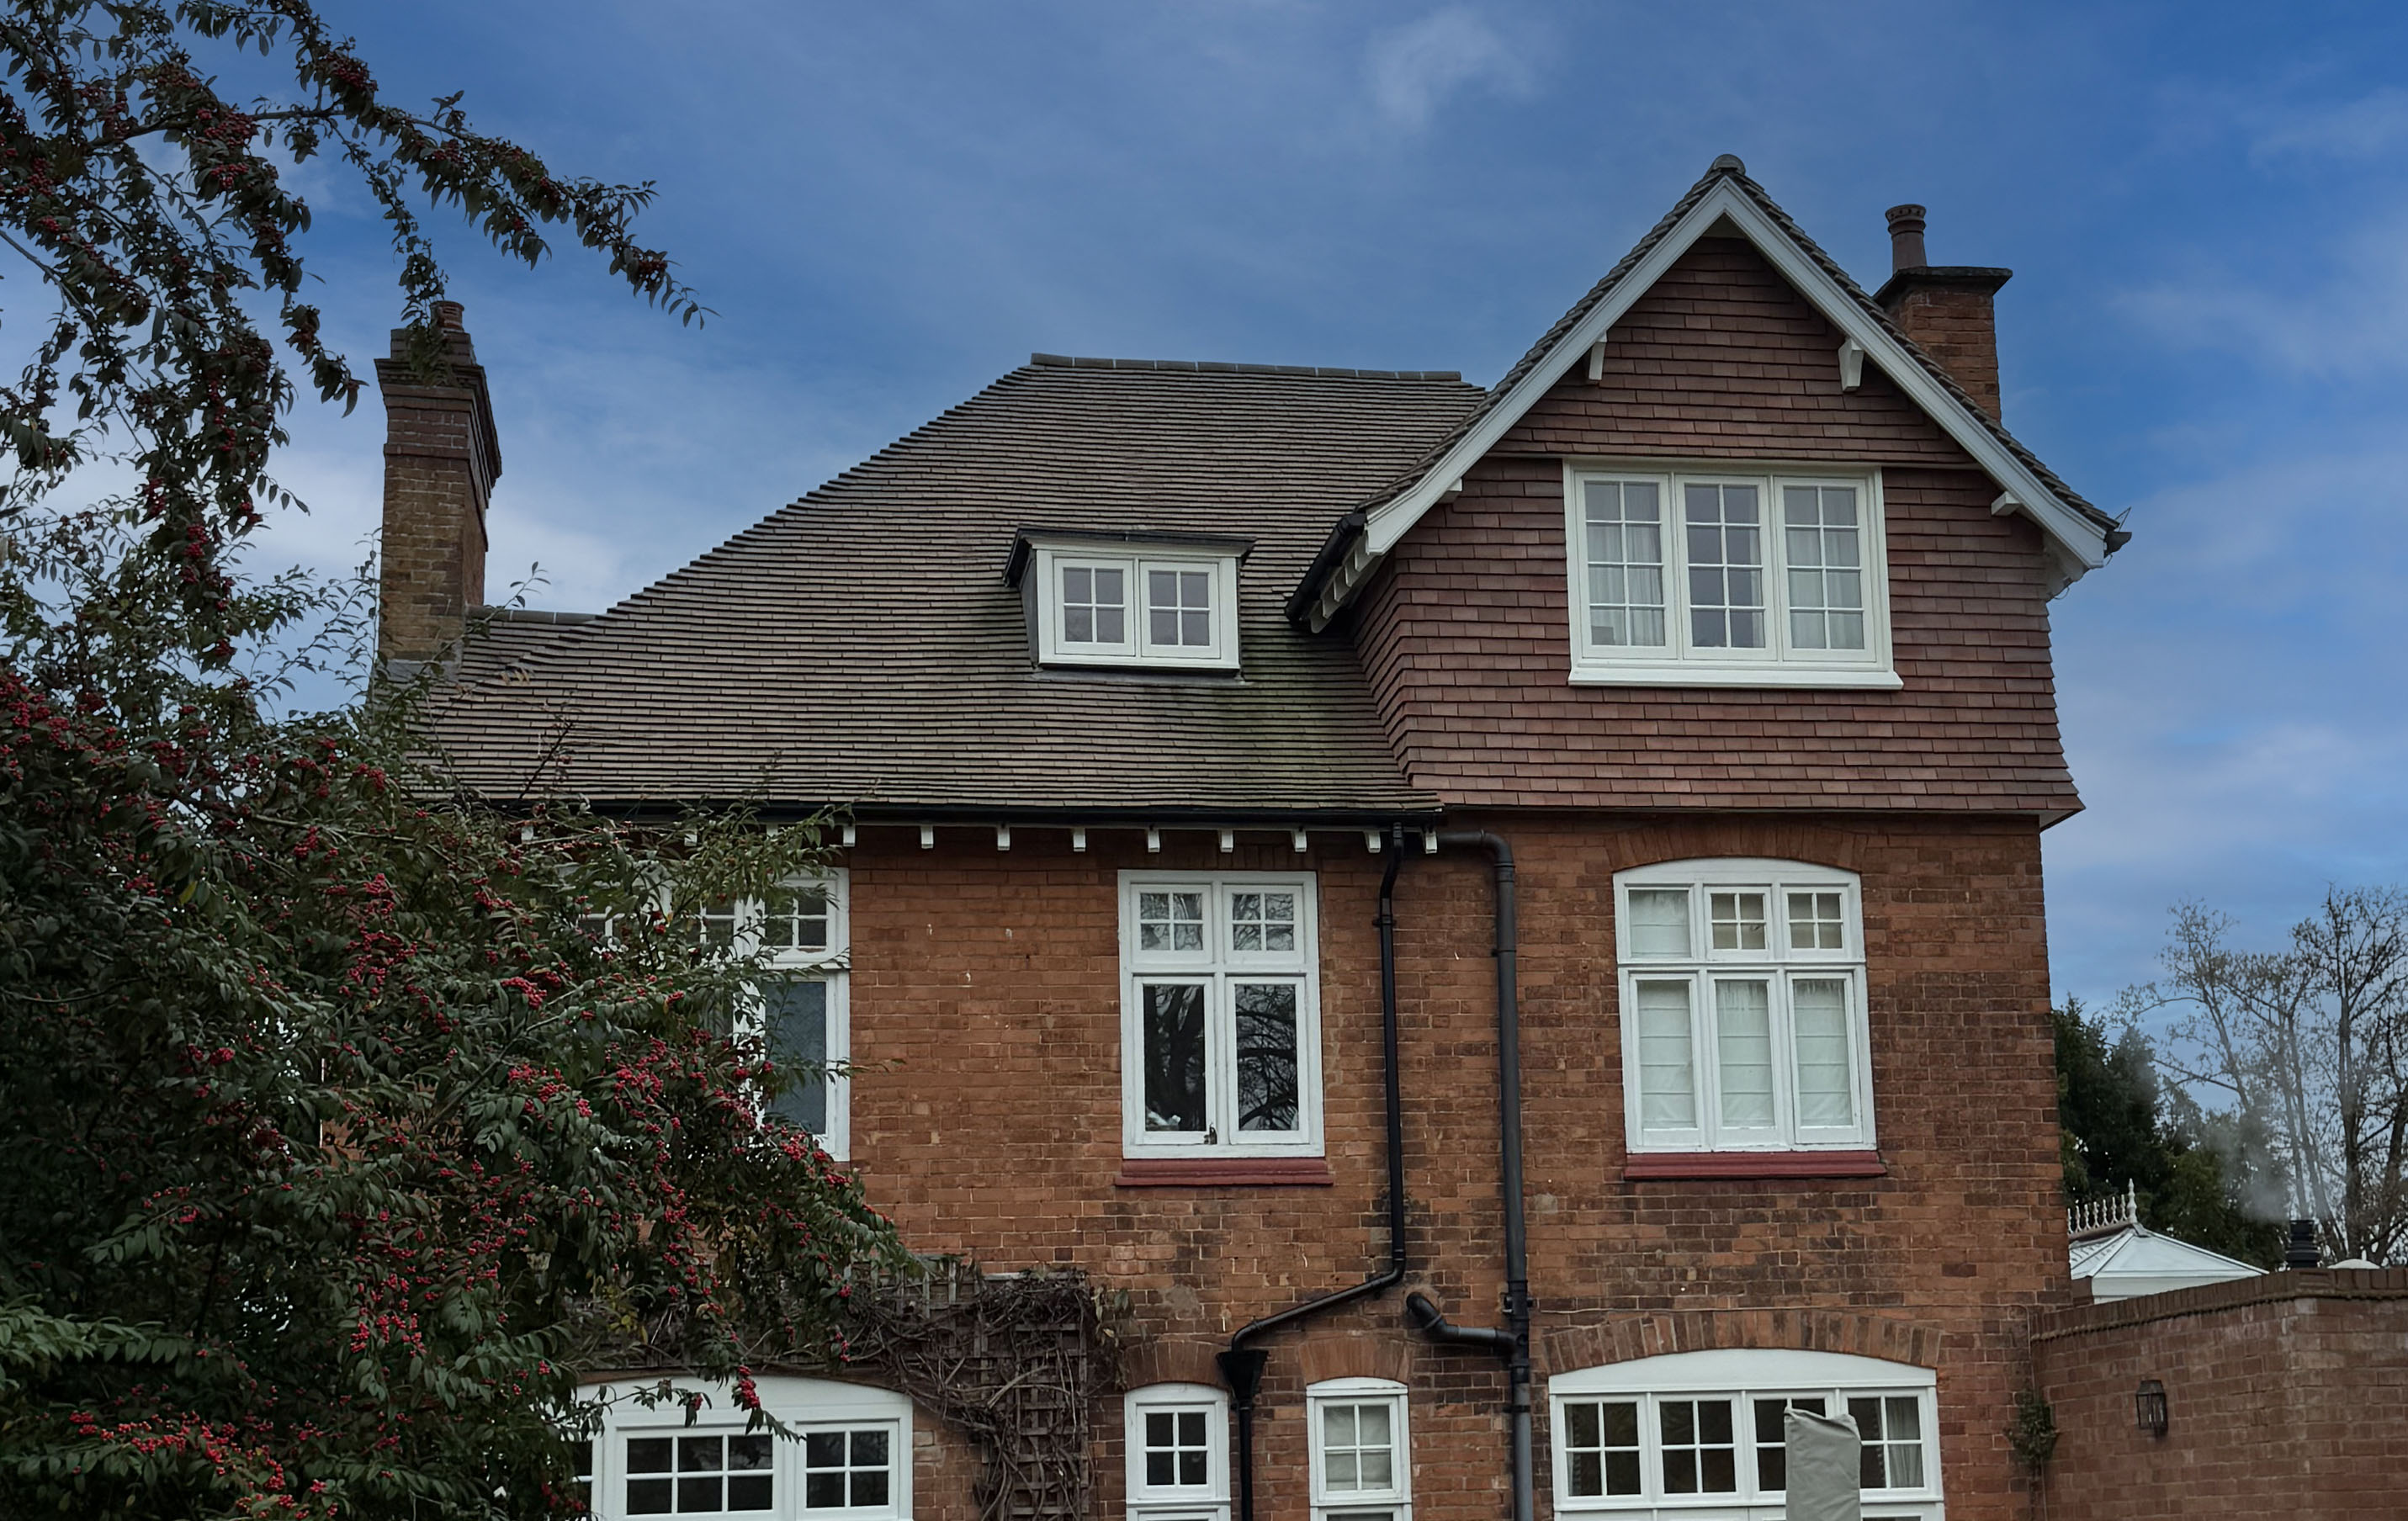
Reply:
x=1945, y=309
x=442, y=457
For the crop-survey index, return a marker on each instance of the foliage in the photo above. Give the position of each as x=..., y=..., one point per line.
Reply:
x=342, y=1130
x=2309, y=1047
x=2033, y=1437
x=2194, y=1177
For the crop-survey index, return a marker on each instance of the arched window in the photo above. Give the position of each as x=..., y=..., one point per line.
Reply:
x=1742, y=998
x=1697, y=1435
x=851, y=1460
x=1178, y=1440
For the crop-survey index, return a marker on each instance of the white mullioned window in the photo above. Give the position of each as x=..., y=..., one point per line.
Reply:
x=849, y=1458
x=1698, y=1435
x=800, y=1007
x=1131, y=605
x=1731, y=576
x=1743, y=999
x=1220, y=1014
x=1362, y=1461
x=1178, y=1441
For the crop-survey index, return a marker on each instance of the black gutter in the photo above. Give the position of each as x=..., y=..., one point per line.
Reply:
x=1241, y=1365
x=1513, y=1343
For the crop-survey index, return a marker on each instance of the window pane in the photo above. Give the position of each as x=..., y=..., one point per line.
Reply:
x=1826, y=585
x=752, y=1492
x=1094, y=604
x=1738, y=921
x=795, y=1027
x=1815, y=923
x=651, y=1497
x=1826, y=1095
x=796, y=919
x=1725, y=568
x=698, y=1496
x=1170, y=920
x=1601, y=1447
x=1668, y=1084
x=745, y=1453
x=1267, y=1057
x=1659, y=922
x=1700, y=1457
x=1358, y=1449
x=1179, y=606
x=1625, y=563
x=715, y=925
x=1262, y=921
x=1174, y=1056
x=1873, y=1472
x=647, y=1455
x=1744, y=1053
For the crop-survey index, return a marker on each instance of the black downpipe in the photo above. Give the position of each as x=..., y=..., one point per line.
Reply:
x=1513, y=1343
x=1241, y=1365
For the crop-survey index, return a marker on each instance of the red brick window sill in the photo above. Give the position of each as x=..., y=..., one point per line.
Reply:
x=1653, y=1165
x=1224, y=1172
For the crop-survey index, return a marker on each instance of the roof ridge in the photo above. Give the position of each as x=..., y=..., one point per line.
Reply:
x=1223, y=366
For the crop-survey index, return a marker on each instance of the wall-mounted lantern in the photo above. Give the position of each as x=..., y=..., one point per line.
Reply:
x=2149, y=1407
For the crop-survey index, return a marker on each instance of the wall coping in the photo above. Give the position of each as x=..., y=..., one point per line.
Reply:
x=2266, y=1289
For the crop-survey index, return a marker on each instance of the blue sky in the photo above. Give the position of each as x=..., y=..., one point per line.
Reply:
x=2206, y=207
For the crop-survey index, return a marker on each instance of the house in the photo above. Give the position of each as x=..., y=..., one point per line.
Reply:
x=1507, y=921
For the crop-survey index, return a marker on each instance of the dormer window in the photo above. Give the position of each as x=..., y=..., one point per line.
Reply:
x=1133, y=600
x=1728, y=575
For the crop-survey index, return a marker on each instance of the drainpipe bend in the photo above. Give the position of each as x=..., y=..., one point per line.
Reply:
x=1242, y=1364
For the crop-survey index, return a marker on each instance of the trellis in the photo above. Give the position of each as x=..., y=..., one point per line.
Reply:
x=1015, y=1360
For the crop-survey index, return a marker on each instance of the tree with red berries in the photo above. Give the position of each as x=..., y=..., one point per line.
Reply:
x=346, y=1130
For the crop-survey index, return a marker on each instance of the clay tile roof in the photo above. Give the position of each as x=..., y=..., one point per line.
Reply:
x=861, y=645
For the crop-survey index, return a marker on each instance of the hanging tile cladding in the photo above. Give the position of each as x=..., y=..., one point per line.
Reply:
x=1465, y=632
x=860, y=645
x=1466, y=637
x=1723, y=358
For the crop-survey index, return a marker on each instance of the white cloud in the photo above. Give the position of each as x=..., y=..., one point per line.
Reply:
x=1415, y=68
x=2351, y=322
x=2355, y=129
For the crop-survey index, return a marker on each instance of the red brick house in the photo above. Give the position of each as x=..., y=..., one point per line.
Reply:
x=1509, y=921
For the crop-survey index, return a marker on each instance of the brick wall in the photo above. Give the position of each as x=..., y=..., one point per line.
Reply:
x=2286, y=1395
x=441, y=460
x=987, y=1118
x=1466, y=631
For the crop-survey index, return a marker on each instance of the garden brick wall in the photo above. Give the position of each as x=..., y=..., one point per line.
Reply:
x=986, y=1119
x=2286, y=1395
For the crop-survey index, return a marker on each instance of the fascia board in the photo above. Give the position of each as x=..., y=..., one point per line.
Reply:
x=2083, y=540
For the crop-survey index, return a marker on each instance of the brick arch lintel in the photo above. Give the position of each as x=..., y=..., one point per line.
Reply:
x=1617, y=1338
x=1172, y=1359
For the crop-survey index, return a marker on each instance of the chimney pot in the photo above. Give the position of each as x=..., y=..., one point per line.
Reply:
x=1906, y=238
x=451, y=316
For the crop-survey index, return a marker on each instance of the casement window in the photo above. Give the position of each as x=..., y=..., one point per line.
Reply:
x=1720, y=576
x=1220, y=1014
x=849, y=1458
x=1698, y=1435
x=1743, y=1004
x=1151, y=604
x=799, y=1008
x=1362, y=1464
x=1178, y=1441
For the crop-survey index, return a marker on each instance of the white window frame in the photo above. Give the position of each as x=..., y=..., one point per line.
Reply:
x=1219, y=965
x=1208, y=1501
x=1138, y=649
x=1394, y=1505
x=1677, y=662
x=1779, y=965
x=831, y=965
x=1741, y=1375
x=803, y=1404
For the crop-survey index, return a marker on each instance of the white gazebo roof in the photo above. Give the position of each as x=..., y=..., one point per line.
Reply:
x=2124, y=1259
